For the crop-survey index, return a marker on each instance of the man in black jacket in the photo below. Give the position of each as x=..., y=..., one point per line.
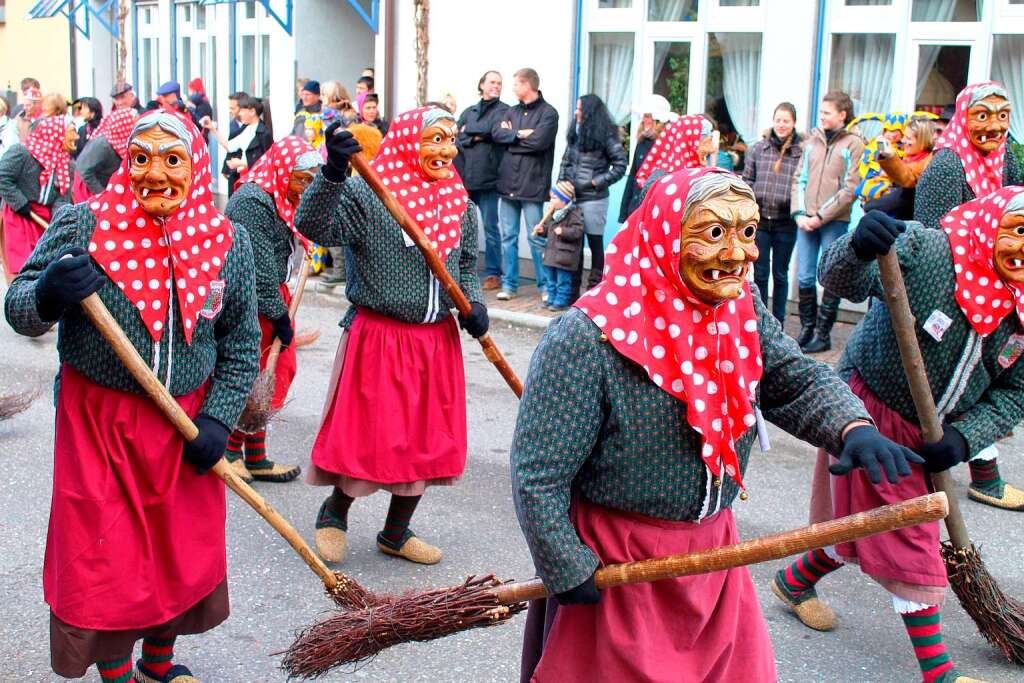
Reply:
x=477, y=164
x=524, y=176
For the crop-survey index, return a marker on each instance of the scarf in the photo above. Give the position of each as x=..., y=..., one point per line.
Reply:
x=116, y=128
x=972, y=227
x=273, y=172
x=437, y=205
x=675, y=148
x=147, y=257
x=984, y=172
x=46, y=145
x=708, y=357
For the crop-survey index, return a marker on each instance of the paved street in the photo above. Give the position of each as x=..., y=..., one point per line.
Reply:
x=273, y=593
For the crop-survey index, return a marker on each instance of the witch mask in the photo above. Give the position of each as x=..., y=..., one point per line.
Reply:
x=161, y=166
x=437, y=149
x=988, y=121
x=717, y=246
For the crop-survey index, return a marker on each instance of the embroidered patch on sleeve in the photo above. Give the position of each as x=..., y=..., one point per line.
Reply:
x=215, y=302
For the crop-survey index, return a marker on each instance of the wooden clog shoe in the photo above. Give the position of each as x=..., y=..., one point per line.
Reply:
x=809, y=609
x=1012, y=499
x=411, y=548
x=176, y=674
x=331, y=537
x=279, y=474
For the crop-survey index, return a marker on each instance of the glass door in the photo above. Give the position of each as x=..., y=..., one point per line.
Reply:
x=942, y=72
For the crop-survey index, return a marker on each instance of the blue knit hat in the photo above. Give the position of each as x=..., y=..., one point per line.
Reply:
x=312, y=86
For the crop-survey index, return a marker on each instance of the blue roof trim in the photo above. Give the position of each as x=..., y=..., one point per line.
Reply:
x=286, y=22
x=100, y=10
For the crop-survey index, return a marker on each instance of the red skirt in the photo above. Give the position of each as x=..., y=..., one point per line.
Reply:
x=906, y=561
x=79, y=190
x=136, y=537
x=21, y=235
x=398, y=412
x=694, y=629
x=284, y=371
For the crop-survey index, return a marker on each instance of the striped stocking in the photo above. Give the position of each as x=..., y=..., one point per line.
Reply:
x=925, y=631
x=808, y=569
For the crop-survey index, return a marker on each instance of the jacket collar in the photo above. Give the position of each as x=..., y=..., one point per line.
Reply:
x=533, y=105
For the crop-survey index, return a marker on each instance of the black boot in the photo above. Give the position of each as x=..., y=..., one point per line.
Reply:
x=826, y=319
x=808, y=314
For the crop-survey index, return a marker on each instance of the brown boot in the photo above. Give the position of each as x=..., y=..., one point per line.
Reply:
x=808, y=608
x=413, y=549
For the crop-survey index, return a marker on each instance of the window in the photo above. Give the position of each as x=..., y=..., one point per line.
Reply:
x=185, y=58
x=865, y=3
x=265, y=64
x=733, y=78
x=201, y=17
x=250, y=9
x=611, y=71
x=1008, y=69
x=146, y=87
x=614, y=4
x=672, y=73
x=248, y=60
x=862, y=66
x=672, y=10
x=946, y=10
x=739, y=3
x=941, y=74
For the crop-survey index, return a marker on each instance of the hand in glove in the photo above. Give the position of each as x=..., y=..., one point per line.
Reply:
x=341, y=147
x=26, y=212
x=865, y=447
x=207, y=448
x=584, y=594
x=283, y=329
x=875, y=234
x=477, y=322
x=950, y=450
x=65, y=282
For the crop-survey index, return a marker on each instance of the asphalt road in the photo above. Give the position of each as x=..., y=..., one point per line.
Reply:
x=273, y=593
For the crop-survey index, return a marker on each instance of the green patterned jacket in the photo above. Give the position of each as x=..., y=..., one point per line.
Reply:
x=19, y=181
x=591, y=423
x=943, y=185
x=386, y=274
x=272, y=244
x=968, y=384
x=224, y=350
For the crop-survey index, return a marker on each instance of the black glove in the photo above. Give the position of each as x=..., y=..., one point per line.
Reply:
x=950, y=450
x=584, y=594
x=25, y=211
x=341, y=146
x=283, y=329
x=477, y=322
x=865, y=447
x=208, y=447
x=65, y=282
x=875, y=234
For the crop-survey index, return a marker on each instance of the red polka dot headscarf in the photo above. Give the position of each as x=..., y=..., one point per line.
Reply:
x=984, y=172
x=708, y=357
x=149, y=258
x=274, y=169
x=436, y=205
x=676, y=147
x=116, y=127
x=972, y=228
x=46, y=145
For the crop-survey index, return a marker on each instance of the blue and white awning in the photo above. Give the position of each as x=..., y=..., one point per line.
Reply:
x=79, y=12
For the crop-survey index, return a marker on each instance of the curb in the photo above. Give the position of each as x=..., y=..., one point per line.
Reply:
x=532, y=320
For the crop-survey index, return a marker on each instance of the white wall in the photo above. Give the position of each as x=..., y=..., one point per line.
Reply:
x=332, y=42
x=787, y=59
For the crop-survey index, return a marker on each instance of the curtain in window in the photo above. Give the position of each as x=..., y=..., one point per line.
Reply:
x=935, y=10
x=862, y=65
x=672, y=10
x=741, y=63
x=611, y=71
x=1008, y=69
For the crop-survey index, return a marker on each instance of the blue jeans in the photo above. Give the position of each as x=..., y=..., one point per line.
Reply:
x=810, y=245
x=560, y=285
x=487, y=202
x=775, y=240
x=510, y=215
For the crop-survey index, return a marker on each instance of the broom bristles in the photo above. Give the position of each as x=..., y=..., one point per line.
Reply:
x=998, y=617
x=12, y=404
x=259, y=411
x=356, y=635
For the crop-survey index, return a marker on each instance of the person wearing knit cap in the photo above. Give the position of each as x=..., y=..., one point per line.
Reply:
x=965, y=286
x=972, y=159
x=662, y=376
x=395, y=418
x=135, y=548
x=35, y=178
x=564, y=231
x=311, y=108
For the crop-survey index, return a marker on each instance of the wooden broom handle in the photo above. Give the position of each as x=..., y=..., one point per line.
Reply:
x=436, y=265
x=300, y=287
x=97, y=312
x=39, y=220
x=903, y=325
x=775, y=547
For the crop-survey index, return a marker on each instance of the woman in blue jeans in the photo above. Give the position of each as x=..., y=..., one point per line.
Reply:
x=770, y=166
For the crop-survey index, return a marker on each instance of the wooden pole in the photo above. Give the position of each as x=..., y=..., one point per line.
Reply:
x=775, y=547
x=436, y=265
x=97, y=312
x=300, y=287
x=903, y=325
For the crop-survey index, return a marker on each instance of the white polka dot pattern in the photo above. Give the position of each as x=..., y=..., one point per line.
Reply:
x=675, y=149
x=138, y=253
x=972, y=228
x=116, y=127
x=273, y=172
x=984, y=172
x=708, y=357
x=46, y=145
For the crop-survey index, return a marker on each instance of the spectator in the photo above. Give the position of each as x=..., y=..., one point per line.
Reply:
x=199, y=105
x=770, y=166
x=368, y=72
x=8, y=128
x=364, y=86
x=251, y=142
x=477, y=165
x=337, y=104
x=653, y=119
x=563, y=252
x=168, y=97
x=233, y=124
x=918, y=140
x=122, y=95
x=300, y=83
x=312, y=107
x=528, y=134
x=89, y=113
x=29, y=86
x=53, y=104
x=822, y=196
x=369, y=113
x=448, y=102
x=593, y=161
x=31, y=111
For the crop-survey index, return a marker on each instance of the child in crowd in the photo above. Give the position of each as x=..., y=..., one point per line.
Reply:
x=564, y=230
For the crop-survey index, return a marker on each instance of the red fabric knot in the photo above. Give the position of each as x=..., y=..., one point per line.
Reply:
x=147, y=257
x=984, y=172
x=675, y=148
x=46, y=145
x=708, y=357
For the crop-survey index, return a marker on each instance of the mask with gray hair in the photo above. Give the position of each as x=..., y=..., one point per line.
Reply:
x=714, y=185
x=166, y=122
x=987, y=91
x=1015, y=207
